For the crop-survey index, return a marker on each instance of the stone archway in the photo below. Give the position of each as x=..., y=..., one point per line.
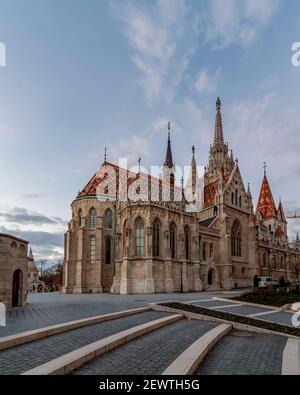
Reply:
x=17, y=285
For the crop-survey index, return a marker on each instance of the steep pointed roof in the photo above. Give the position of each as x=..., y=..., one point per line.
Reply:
x=30, y=256
x=219, y=137
x=169, y=158
x=280, y=212
x=265, y=205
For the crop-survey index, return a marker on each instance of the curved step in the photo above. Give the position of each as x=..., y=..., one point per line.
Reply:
x=71, y=361
x=37, y=334
x=190, y=359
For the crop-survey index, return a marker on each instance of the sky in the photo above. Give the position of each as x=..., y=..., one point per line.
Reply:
x=81, y=75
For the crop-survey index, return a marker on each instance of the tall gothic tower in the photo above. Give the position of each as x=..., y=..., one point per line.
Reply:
x=219, y=159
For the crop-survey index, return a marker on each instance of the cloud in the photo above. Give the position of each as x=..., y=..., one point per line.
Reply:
x=132, y=148
x=235, y=21
x=45, y=234
x=19, y=216
x=207, y=82
x=32, y=196
x=160, y=49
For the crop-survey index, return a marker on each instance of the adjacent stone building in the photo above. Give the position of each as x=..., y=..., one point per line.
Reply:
x=13, y=271
x=134, y=233
x=34, y=284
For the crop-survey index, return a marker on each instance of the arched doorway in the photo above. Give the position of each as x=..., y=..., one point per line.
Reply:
x=210, y=277
x=17, y=289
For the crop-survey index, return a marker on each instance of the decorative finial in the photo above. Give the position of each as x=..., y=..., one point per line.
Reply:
x=218, y=103
x=139, y=161
x=169, y=131
x=193, y=150
x=105, y=154
x=265, y=169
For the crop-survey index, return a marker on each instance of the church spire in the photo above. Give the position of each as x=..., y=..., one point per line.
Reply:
x=169, y=159
x=194, y=171
x=219, y=137
x=266, y=205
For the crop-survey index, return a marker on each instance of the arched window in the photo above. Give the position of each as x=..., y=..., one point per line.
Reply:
x=240, y=201
x=139, y=237
x=211, y=250
x=108, y=250
x=232, y=198
x=236, y=197
x=172, y=179
x=79, y=218
x=173, y=240
x=108, y=219
x=204, y=251
x=14, y=245
x=187, y=242
x=93, y=249
x=156, y=238
x=93, y=218
x=124, y=237
x=236, y=249
x=265, y=260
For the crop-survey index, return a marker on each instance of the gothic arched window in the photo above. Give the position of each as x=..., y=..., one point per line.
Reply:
x=108, y=219
x=108, y=250
x=236, y=197
x=204, y=251
x=156, y=238
x=139, y=237
x=232, y=198
x=93, y=218
x=79, y=218
x=173, y=240
x=187, y=242
x=240, y=201
x=236, y=241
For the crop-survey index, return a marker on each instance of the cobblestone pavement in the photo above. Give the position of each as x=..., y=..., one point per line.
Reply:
x=54, y=308
x=151, y=354
x=243, y=353
x=22, y=358
x=244, y=310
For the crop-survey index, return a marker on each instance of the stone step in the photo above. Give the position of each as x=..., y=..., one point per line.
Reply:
x=150, y=354
x=245, y=353
x=21, y=358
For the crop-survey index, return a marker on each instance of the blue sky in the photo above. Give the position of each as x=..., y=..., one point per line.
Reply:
x=84, y=75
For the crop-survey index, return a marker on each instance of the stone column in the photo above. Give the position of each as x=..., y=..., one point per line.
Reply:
x=78, y=276
x=169, y=282
x=66, y=263
x=149, y=281
x=124, y=283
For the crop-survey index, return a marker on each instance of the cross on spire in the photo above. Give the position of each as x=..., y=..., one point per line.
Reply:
x=105, y=154
x=265, y=169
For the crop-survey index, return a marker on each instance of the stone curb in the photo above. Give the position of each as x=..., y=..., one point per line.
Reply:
x=73, y=360
x=188, y=362
x=291, y=358
x=235, y=325
x=37, y=334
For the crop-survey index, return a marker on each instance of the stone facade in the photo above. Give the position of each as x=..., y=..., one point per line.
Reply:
x=148, y=244
x=13, y=271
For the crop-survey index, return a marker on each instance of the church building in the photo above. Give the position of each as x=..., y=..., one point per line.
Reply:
x=132, y=233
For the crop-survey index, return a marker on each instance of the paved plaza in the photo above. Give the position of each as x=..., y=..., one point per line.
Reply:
x=54, y=308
